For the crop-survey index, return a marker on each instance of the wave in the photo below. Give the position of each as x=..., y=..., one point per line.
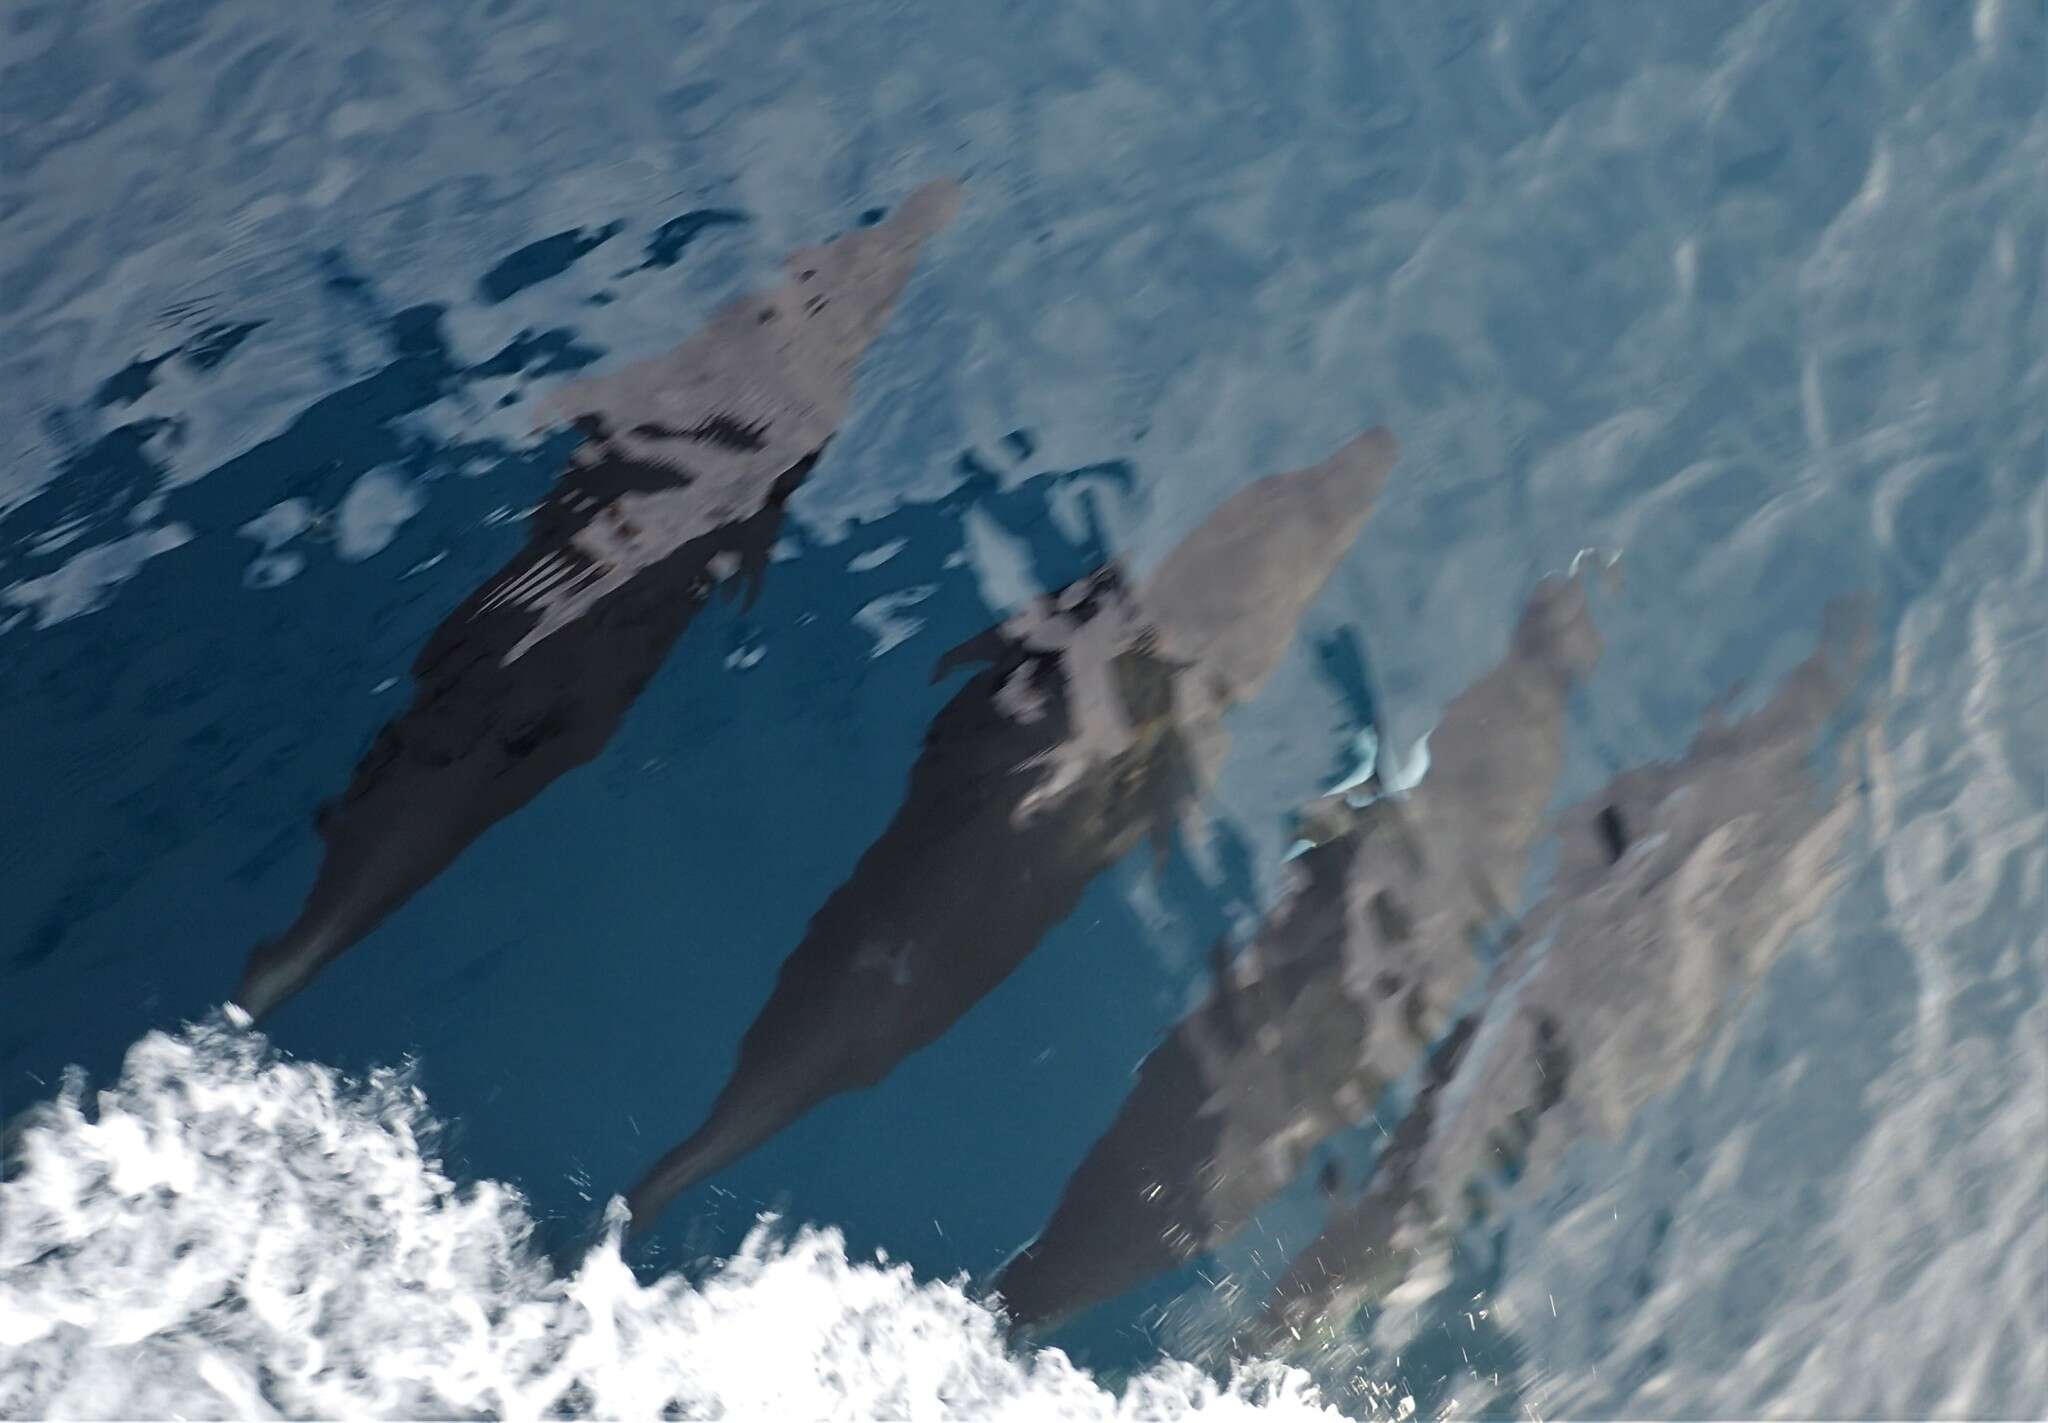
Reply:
x=226, y=1232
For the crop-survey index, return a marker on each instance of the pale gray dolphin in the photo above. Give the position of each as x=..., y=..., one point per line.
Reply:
x=1341, y=989
x=1097, y=722
x=680, y=485
x=1677, y=885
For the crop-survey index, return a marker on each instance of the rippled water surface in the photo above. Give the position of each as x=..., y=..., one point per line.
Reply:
x=1747, y=294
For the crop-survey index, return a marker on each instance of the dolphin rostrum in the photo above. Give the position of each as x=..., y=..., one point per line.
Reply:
x=1340, y=991
x=1096, y=723
x=1676, y=886
x=679, y=485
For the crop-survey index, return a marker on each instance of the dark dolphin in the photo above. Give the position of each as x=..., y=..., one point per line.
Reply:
x=1096, y=724
x=680, y=485
x=1676, y=886
x=1341, y=990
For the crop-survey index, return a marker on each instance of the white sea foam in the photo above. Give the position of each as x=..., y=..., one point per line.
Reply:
x=84, y=582
x=371, y=513
x=884, y=619
x=227, y=1233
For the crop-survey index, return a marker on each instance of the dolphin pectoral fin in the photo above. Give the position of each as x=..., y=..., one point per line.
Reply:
x=1407, y=775
x=745, y=583
x=1223, y=1002
x=1365, y=748
x=1159, y=837
x=1391, y=774
x=751, y=574
x=984, y=646
x=758, y=535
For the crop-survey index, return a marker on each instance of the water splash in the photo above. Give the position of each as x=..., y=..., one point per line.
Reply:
x=228, y=1233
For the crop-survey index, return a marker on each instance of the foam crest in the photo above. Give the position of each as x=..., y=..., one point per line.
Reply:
x=227, y=1233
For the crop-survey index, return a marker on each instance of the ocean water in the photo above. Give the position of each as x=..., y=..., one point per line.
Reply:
x=1750, y=293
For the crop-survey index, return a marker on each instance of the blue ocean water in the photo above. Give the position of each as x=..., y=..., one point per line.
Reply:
x=1750, y=293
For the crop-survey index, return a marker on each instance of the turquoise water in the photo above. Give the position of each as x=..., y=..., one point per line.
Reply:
x=1750, y=293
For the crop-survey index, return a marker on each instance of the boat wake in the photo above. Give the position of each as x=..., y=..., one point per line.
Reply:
x=225, y=1232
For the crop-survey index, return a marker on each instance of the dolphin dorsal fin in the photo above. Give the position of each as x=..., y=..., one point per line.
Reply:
x=1330, y=1181
x=1075, y=603
x=1224, y=993
x=1219, y=965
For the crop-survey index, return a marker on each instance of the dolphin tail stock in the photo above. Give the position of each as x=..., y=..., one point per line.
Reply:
x=715, y=1145
x=263, y=984
x=280, y=966
x=1029, y=1307
x=735, y=1127
x=1040, y=1290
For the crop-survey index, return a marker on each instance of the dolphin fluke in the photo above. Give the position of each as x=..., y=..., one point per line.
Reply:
x=678, y=489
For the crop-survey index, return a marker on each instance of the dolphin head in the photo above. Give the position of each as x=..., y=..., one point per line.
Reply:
x=774, y=367
x=1227, y=598
x=840, y=293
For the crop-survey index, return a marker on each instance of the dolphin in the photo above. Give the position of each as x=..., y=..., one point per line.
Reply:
x=1676, y=886
x=1371, y=1234
x=679, y=485
x=1340, y=991
x=1095, y=724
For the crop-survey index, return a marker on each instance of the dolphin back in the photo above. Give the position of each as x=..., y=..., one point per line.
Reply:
x=678, y=486
x=1341, y=990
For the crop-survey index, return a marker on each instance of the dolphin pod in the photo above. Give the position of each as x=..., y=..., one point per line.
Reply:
x=1343, y=986
x=1091, y=721
x=679, y=485
x=1677, y=886
x=1094, y=724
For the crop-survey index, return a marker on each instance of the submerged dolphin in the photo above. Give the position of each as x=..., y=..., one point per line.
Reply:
x=1097, y=723
x=680, y=485
x=1676, y=887
x=1341, y=990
